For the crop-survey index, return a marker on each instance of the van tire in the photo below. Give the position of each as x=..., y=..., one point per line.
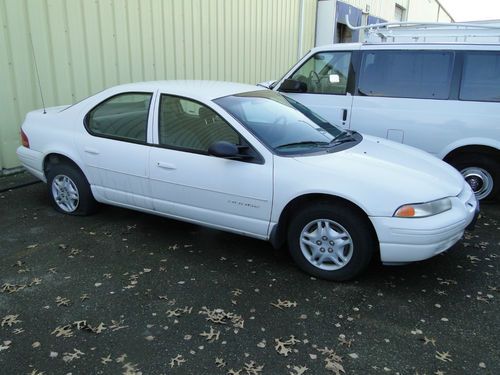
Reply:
x=481, y=171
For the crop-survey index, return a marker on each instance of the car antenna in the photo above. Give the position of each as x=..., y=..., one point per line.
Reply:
x=37, y=74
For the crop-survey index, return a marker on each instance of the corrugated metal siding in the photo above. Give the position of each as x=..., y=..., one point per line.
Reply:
x=309, y=26
x=83, y=46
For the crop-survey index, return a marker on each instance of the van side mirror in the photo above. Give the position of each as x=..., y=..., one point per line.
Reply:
x=291, y=85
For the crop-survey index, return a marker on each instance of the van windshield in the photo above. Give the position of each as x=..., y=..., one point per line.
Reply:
x=280, y=122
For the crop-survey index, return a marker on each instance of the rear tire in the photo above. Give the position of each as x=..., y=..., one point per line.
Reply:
x=69, y=190
x=481, y=172
x=331, y=241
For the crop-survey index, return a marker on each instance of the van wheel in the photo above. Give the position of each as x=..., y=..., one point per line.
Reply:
x=481, y=172
x=331, y=241
x=69, y=190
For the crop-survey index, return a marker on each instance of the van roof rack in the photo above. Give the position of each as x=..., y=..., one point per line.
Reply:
x=429, y=32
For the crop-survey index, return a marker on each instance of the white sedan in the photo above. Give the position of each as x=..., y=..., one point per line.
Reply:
x=251, y=161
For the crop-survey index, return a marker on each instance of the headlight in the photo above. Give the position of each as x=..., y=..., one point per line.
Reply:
x=424, y=209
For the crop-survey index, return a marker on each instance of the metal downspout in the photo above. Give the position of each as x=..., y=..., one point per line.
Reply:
x=301, y=29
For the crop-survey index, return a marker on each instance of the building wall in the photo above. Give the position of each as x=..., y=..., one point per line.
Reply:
x=84, y=46
x=427, y=11
x=444, y=17
x=417, y=10
x=378, y=8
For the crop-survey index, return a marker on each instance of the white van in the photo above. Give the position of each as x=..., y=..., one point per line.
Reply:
x=442, y=98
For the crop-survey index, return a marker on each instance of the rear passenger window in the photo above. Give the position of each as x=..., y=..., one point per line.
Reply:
x=123, y=116
x=189, y=125
x=406, y=74
x=481, y=77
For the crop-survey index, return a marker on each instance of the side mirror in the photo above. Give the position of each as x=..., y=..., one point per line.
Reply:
x=291, y=85
x=223, y=149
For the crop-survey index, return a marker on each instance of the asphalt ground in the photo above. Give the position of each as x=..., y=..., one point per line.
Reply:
x=125, y=292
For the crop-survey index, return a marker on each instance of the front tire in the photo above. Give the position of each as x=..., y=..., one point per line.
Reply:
x=331, y=241
x=481, y=172
x=69, y=190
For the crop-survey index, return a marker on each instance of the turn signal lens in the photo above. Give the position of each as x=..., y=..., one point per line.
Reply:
x=24, y=139
x=424, y=209
x=405, y=211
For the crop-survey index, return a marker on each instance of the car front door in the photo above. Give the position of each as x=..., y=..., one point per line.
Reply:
x=115, y=150
x=328, y=78
x=188, y=183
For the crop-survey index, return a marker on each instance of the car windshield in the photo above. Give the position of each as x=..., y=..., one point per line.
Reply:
x=280, y=122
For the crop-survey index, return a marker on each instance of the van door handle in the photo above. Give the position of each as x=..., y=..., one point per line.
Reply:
x=164, y=165
x=91, y=151
x=344, y=115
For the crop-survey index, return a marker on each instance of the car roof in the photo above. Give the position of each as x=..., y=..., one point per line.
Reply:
x=197, y=89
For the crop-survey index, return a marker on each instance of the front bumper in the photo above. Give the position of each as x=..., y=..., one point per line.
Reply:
x=404, y=240
x=472, y=224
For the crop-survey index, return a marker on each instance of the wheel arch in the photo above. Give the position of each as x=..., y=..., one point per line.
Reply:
x=472, y=149
x=87, y=204
x=278, y=234
x=58, y=158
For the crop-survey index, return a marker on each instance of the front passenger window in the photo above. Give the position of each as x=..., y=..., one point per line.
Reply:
x=190, y=125
x=325, y=73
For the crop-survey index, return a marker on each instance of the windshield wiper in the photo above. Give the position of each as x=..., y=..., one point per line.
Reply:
x=304, y=143
x=345, y=136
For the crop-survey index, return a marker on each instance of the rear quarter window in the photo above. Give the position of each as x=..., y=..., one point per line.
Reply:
x=406, y=74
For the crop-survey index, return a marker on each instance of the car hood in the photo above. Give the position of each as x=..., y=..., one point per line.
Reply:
x=388, y=170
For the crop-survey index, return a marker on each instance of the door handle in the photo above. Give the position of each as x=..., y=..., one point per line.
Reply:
x=91, y=151
x=344, y=115
x=164, y=165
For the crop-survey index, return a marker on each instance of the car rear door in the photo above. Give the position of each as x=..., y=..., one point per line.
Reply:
x=115, y=149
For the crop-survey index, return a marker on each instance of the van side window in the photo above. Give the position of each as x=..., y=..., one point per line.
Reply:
x=481, y=77
x=325, y=73
x=406, y=74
